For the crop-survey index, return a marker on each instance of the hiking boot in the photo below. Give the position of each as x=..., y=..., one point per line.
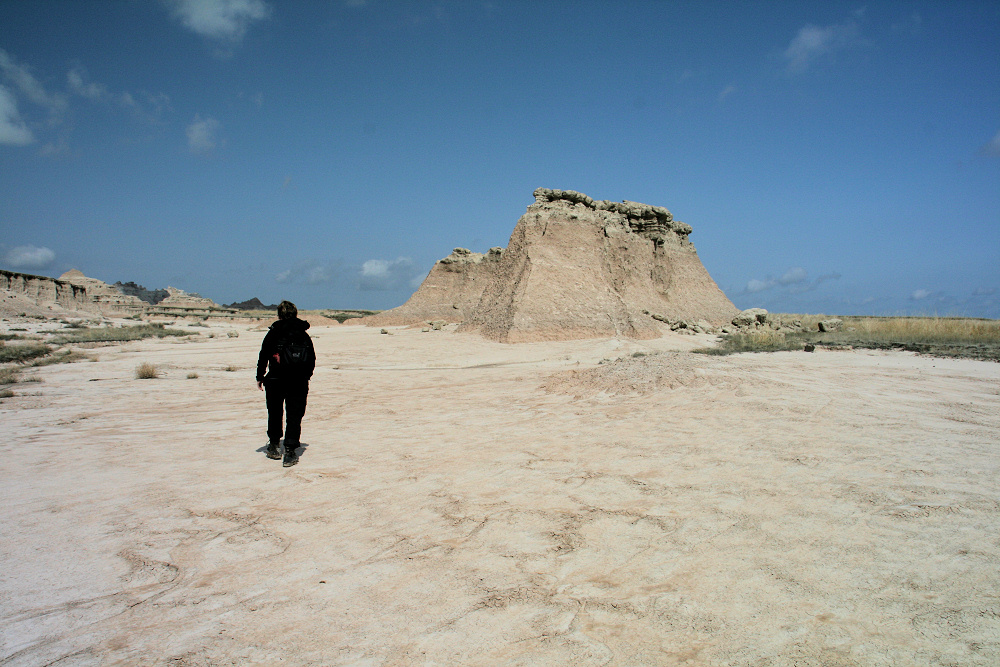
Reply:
x=273, y=451
x=290, y=457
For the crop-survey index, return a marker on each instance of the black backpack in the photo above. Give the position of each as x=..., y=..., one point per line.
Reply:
x=295, y=354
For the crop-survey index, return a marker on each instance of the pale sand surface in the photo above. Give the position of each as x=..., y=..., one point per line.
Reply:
x=463, y=502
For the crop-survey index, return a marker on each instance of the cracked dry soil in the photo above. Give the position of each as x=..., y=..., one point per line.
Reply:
x=462, y=502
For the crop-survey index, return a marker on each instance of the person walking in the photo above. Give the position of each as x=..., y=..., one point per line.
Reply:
x=288, y=358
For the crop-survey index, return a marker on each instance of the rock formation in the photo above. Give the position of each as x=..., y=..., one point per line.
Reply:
x=150, y=296
x=450, y=292
x=251, y=304
x=23, y=292
x=109, y=300
x=577, y=267
x=73, y=293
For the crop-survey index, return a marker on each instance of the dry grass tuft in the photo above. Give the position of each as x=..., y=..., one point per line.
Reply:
x=192, y=376
x=231, y=368
x=146, y=371
x=6, y=393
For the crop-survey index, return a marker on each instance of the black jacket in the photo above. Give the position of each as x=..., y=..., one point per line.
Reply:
x=276, y=334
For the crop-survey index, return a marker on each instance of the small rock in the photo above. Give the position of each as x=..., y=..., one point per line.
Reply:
x=810, y=347
x=384, y=331
x=832, y=324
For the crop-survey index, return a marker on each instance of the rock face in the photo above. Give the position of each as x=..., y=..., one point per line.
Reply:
x=577, y=267
x=109, y=300
x=450, y=292
x=25, y=291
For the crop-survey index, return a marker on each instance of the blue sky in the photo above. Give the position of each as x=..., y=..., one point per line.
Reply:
x=832, y=157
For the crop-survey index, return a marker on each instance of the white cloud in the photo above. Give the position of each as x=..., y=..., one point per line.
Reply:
x=727, y=91
x=754, y=286
x=201, y=134
x=92, y=91
x=13, y=131
x=220, y=19
x=795, y=279
x=308, y=272
x=794, y=276
x=384, y=275
x=22, y=78
x=919, y=294
x=28, y=257
x=812, y=42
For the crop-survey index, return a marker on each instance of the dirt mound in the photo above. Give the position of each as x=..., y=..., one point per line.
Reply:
x=582, y=268
x=643, y=375
x=450, y=292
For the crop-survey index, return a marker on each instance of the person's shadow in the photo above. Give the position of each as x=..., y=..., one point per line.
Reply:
x=303, y=446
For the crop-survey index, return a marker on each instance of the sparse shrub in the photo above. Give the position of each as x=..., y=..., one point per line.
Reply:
x=63, y=357
x=6, y=393
x=639, y=354
x=192, y=376
x=23, y=352
x=197, y=324
x=10, y=375
x=74, y=325
x=233, y=334
x=754, y=341
x=146, y=371
x=10, y=336
x=113, y=334
x=231, y=368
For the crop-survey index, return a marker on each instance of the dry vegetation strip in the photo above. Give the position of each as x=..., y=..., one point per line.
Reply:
x=117, y=334
x=940, y=336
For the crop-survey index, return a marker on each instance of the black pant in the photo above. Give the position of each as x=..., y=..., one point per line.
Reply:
x=293, y=397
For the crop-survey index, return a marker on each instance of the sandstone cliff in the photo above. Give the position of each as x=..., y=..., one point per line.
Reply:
x=23, y=292
x=577, y=267
x=450, y=292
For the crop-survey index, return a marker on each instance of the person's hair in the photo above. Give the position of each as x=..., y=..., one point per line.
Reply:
x=287, y=311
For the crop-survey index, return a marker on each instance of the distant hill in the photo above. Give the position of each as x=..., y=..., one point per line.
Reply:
x=150, y=296
x=251, y=304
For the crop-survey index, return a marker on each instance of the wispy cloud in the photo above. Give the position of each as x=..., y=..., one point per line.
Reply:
x=308, y=272
x=13, y=130
x=794, y=280
x=28, y=257
x=224, y=20
x=920, y=294
x=202, y=134
x=380, y=275
x=992, y=147
x=726, y=92
x=24, y=81
x=813, y=42
x=90, y=90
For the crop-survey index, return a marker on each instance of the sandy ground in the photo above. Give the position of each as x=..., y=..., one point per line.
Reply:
x=462, y=502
